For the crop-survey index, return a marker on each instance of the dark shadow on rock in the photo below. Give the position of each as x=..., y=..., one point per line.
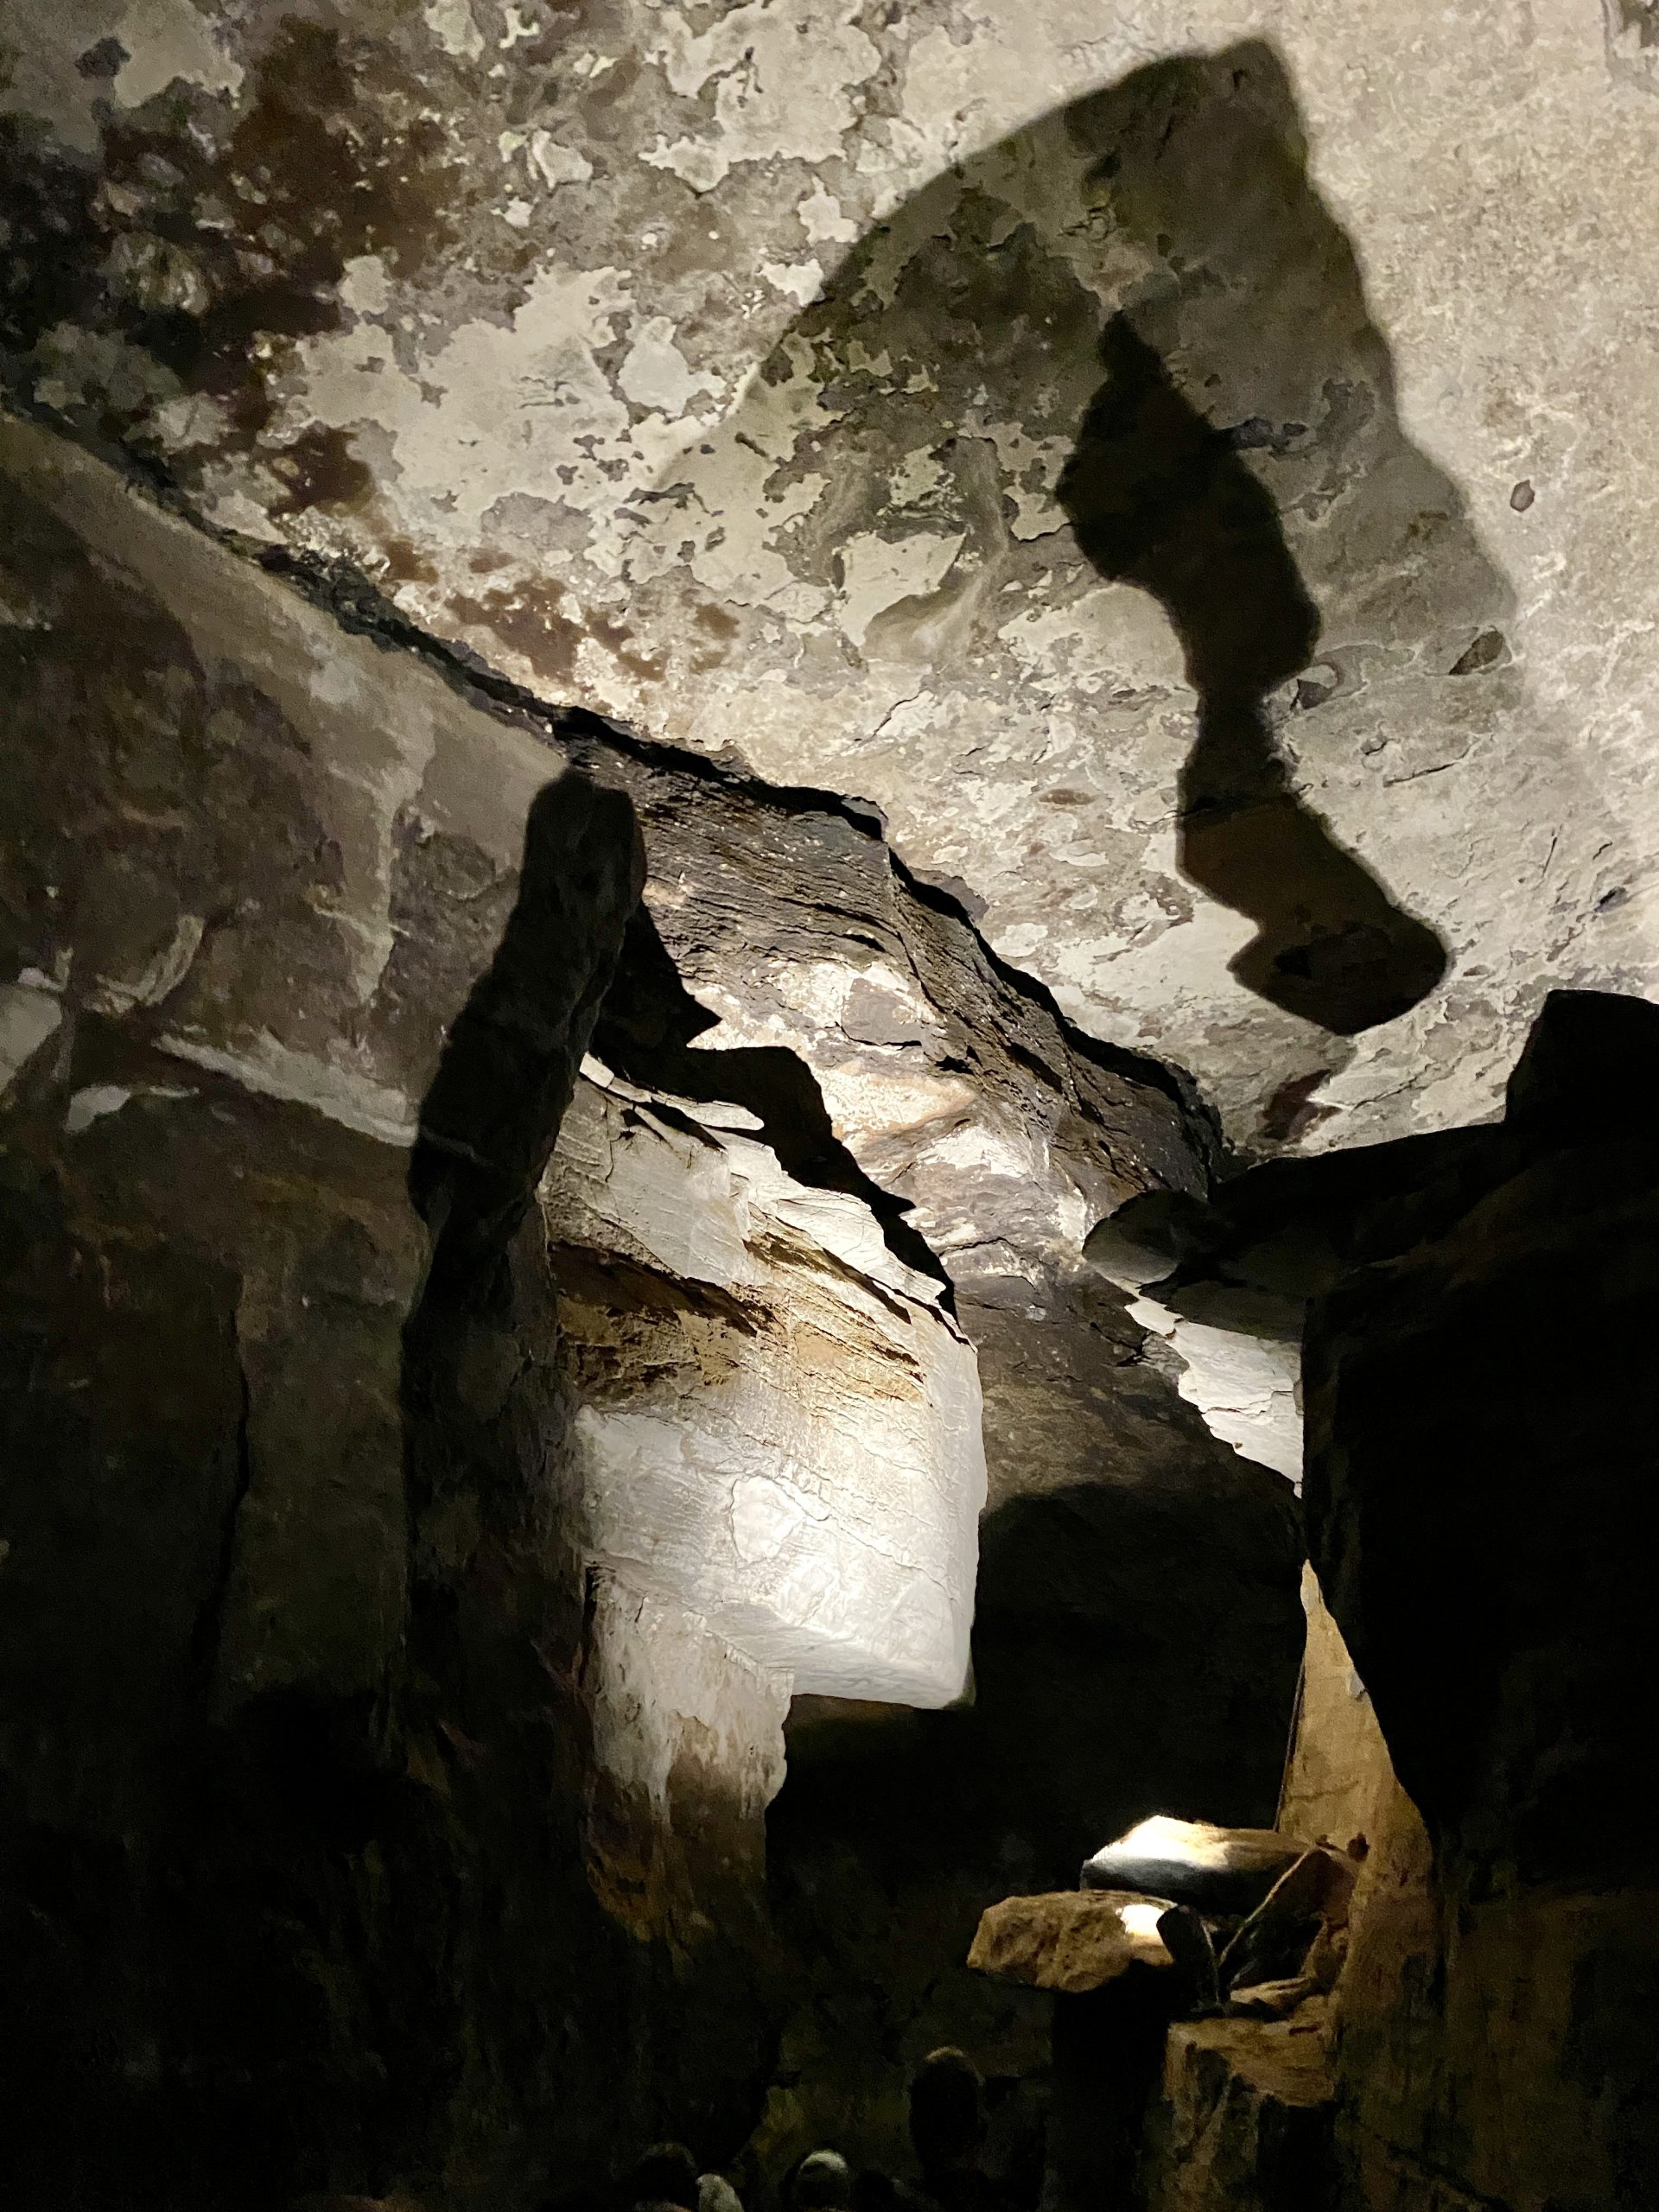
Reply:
x=1243, y=462
x=1481, y=1400
x=1480, y=1404
x=1136, y=1648
x=509, y=1065
x=645, y=1033
x=590, y=2031
x=492, y=1712
x=1109, y=2061
x=1161, y=498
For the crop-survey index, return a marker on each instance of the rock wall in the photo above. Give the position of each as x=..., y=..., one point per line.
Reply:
x=1470, y=1516
x=294, y=1752
x=1494, y=2039
x=392, y=1733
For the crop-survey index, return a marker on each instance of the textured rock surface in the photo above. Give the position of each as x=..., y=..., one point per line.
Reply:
x=1237, y=1350
x=1244, y=2118
x=1070, y=1939
x=778, y=1426
x=1491, y=2038
x=1292, y=1945
x=1495, y=2015
x=720, y=368
x=1142, y=1594
x=688, y=1752
x=295, y=1620
x=286, y=903
x=1470, y=1521
x=1496, y=1655
x=1187, y=499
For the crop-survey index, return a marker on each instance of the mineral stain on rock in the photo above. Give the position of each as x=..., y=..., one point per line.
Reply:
x=211, y=253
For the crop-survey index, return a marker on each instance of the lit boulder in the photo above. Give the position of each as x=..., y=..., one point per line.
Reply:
x=1069, y=1940
x=1215, y=1870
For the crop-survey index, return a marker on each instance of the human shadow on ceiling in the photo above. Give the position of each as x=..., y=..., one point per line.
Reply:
x=1139, y=307
x=1161, y=498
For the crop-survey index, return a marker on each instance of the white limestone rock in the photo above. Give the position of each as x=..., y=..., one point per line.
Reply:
x=781, y=1429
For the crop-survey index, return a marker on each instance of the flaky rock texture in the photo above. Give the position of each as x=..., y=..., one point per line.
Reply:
x=721, y=368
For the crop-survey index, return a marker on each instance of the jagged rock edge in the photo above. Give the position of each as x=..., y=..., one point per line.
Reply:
x=341, y=591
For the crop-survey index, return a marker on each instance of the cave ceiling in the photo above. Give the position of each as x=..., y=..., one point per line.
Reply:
x=775, y=379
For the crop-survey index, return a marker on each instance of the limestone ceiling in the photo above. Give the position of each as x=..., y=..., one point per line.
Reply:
x=720, y=368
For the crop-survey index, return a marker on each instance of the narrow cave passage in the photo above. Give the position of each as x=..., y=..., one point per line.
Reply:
x=827, y=1010
x=504, y=1469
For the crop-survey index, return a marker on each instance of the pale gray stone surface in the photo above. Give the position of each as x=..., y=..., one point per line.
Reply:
x=515, y=309
x=800, y=1463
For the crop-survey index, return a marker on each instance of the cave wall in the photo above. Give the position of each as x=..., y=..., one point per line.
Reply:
x=293, y=1761
x=1488, y=2025
x=380, y=1810
x=1494, y=2040
x=1478, y=1616
x=734, y=375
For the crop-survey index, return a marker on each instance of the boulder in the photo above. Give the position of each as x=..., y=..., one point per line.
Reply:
x=1069, y=1940
x=1217, y=1870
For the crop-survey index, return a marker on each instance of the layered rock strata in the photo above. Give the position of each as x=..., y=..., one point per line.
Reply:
x=446, y=1693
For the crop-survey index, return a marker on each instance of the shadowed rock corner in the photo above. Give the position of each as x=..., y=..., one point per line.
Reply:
x=509, y=1066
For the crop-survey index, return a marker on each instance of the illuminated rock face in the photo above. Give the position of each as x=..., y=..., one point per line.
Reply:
x=1244, y=1383
x=709, y=1434
x=1070, y=1939
x=780, y=1426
